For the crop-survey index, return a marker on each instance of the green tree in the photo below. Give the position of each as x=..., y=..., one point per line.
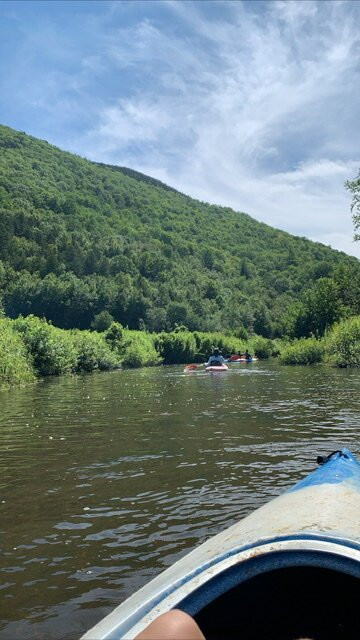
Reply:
x=102, y=321
x=354, y=187
x=347, y=278
x=156, y=319
x=262, y=322
x=317, y=311
x=323, y=305
x=296, y=320
x=51, y=349
x=114, y=336
x=177, y=313
x=343, y=343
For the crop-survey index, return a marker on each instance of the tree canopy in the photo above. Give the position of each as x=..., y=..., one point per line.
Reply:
x=82, y=243
x=354, y=187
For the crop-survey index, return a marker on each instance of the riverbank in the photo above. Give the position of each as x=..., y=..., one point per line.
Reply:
x=31, y=348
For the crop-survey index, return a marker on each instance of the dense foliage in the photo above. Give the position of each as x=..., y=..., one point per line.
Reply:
x=83, y=244
x=303, y=351
x=343, y=343
x=56, y=351
x=354, y=187
x=339, y=347
x=31, y=347
x=16, y=366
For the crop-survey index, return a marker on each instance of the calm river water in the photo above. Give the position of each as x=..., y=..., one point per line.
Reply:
x=108, y=479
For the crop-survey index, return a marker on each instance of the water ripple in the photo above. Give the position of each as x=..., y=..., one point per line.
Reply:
x=108, y=479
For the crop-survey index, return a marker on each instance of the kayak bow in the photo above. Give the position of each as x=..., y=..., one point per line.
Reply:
x=291, y=568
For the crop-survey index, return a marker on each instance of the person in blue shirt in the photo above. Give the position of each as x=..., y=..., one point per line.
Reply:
x=215, y=359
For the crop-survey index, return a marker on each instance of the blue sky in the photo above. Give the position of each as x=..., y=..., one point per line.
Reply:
x=253, y=105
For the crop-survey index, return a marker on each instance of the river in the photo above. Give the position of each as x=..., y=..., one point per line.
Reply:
x=109, y=478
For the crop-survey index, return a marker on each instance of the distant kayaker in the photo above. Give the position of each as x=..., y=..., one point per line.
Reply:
x=215, y=359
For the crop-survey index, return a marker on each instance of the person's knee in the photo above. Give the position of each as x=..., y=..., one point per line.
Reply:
x=173, y=625
x=183, y=626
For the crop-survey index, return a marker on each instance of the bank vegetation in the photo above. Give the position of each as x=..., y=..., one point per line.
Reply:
x=31, y=348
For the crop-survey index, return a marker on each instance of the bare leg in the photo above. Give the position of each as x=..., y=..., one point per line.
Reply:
x=173, y=625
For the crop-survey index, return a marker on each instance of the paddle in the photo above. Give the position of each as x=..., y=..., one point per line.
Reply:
x=193, y=367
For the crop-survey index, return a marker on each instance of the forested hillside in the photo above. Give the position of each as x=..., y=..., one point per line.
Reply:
x=78, y=238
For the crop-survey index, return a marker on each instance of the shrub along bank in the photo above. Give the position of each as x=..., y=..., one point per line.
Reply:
x=181, y=347
x=343, y=343
x=31, y=347
x=340, y=347
x=16, y=365
x=303, y=351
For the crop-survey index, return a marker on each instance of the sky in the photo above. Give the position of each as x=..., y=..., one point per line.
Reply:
x=249, y=104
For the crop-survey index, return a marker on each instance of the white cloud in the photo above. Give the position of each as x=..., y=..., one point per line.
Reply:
x=253, y=111
x=292, y=11
x=322, y=169
x=133, y=121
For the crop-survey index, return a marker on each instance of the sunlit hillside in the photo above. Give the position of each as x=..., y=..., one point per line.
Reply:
x=78, y=237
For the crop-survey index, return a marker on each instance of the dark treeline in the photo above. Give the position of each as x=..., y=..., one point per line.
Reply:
x=83, y=244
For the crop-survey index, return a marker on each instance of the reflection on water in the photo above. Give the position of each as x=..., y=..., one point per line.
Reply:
x=108, y=479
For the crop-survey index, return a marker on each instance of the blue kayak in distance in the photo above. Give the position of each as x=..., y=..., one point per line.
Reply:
x=240, y=360
x=290, y=569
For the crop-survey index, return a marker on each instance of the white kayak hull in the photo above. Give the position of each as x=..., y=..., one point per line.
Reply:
x=314, y=524
x=216, y=368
